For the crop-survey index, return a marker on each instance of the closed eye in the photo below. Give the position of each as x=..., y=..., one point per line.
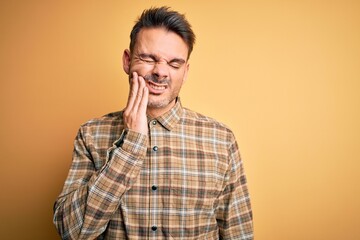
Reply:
x=147, y=58
x=176, y=63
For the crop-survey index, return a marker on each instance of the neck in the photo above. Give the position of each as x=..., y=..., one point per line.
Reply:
x=155, y=112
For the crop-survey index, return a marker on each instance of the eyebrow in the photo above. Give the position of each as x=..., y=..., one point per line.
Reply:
x=174, y=60
x=177, y=60
x=145, y=55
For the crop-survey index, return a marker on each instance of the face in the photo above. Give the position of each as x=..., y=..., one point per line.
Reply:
x=160, y=56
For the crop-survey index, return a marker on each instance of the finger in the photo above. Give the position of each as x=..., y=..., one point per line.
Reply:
x=134, y=86
x=139, y=94
x=144, y=100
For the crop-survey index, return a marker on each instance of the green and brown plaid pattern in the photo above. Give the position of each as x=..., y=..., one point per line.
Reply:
x=185, y=180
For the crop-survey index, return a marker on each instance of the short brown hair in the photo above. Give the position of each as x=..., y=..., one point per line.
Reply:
x=170, y=20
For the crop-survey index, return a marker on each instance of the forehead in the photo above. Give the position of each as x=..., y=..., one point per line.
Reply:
x=160, y=42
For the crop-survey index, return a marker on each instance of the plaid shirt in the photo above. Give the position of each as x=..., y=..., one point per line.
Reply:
x=185, y=180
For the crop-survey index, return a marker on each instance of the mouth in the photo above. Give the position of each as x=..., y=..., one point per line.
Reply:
x=155, y=88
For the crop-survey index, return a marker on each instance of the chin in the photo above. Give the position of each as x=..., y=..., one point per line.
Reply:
x=158, y=104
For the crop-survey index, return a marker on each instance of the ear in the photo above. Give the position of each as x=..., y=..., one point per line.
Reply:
x=126, y=61
x=186, y=72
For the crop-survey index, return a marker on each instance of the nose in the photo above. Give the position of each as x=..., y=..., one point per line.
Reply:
x=160, y=70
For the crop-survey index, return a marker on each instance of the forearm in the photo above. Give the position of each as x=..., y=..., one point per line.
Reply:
x=85, y=207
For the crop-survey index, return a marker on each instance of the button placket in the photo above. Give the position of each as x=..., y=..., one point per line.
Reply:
x=153, y=220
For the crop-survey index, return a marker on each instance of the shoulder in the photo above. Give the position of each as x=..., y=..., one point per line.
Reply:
x=191, y=116
x=196, y=119
x=108, y=121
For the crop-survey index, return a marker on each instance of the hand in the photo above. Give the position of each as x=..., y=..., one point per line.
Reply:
x=135, y=111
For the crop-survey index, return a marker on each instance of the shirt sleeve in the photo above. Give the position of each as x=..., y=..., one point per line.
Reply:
x=233, y=211
x=90, y=197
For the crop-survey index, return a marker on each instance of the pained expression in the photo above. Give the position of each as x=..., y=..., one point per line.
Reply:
x=160, y=56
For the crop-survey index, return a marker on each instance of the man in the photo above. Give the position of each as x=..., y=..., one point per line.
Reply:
x=155, y=170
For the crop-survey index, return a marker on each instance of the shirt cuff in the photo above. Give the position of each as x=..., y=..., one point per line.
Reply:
x=132, y=142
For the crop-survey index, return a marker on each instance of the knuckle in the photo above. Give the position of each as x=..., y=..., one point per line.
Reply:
x=126, y=114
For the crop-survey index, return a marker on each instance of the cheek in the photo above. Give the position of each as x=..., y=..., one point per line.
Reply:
x=178, y=78
x=177, y=83
x=141, y=69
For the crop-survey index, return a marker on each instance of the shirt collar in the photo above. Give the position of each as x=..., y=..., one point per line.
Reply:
x=171, y=117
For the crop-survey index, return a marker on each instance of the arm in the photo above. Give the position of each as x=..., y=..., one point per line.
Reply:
x=89, y=198
x=233, y=211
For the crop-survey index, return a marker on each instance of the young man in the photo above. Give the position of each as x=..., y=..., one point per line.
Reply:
x=155, y=170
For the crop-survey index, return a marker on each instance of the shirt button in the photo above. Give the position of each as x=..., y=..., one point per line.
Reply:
x=155, y=148
x=154, y=228
x=154, y=122
x=154, y=187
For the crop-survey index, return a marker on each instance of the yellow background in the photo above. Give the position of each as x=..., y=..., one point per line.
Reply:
x=284, y=75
